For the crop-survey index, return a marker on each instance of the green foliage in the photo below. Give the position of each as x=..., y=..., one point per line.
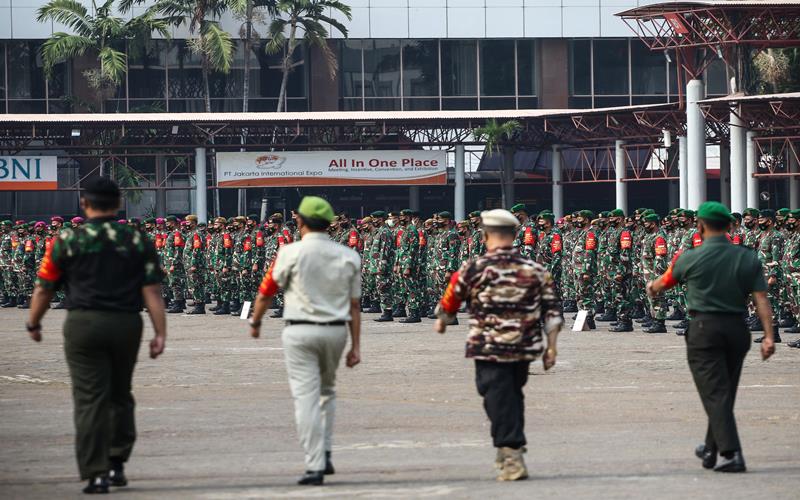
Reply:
x=494, y=133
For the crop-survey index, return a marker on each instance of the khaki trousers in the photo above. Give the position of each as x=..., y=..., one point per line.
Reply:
x=312, y=356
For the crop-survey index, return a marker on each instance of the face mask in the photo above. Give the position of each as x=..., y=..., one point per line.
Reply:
x=390, y=222
x=791, y=225
x=764, y=225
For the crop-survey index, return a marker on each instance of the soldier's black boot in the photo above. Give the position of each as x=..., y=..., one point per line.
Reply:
x=638, y=312
x=676, y=315
x=644, y=319
x=787, y=320
x=609, y=315
x=657, y=326
x=590, y=323
x=794, y=329
x=399, y=312
x=599, y=308
x=570, y=306
x=4, y=300
x=24, y=303
x=222, y=309
x=756, y=326
x=12, y=302
x=97, y=485
x=199, y=308
x=413, y=317
x=58, y=305
x=277, y=314
x=116, y=476
x=623, y=325
x=777, y=338
x=235, y=308
x=177, y=307
x=386, y=316
x=374, y=308
x=214, y=308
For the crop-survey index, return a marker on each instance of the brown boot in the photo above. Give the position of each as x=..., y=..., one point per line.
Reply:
x=513, y=466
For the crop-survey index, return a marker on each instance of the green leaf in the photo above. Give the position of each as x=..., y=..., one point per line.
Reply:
x=70, y=13
x=217, y=47
x=113, y=64
x=62, y=46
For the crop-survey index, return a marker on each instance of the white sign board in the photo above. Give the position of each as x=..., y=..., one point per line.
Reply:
x=28, y=173
x=331, y=168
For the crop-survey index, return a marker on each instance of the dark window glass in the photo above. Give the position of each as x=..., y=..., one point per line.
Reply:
x=2, y=75
x=649, y=100
x=610, y=67
x=420, y=68
x=385, y=104
x=716, y=78
x=185, y=74
x=187, y=106
x=459, y=103
x=350, y=104
x=421, y=104
x=611, y=102
x=648, y=70
x=459, y=68
x=296, y=104
x=350, y=68
x=262, y=105
x=382, y=68
x=26, y=106
x=673, y=78
x=147, y=106
x=528, y=103
x=296, y=85
x=526, y=67
x=60, y=84
x=268, y=75
x=498, y=103
x=580, y=67
x=497, y=67
x=27, y=79
x=147, y=70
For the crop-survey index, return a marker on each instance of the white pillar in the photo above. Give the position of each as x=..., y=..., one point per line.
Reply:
x=794, y=181
x=724, y=175
x=460, y=206
x=558, y=188
x=738, y=162
x=413, y=196
x=683, y=176
x=621, y=189
x=752, y=182
x=696, y=144
x=200, y=183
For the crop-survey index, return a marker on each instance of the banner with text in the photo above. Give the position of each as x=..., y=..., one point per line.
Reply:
x=331, y=168
x=28, y=173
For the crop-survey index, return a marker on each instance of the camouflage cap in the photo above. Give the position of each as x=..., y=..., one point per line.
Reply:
x=220, y=220
x=240, y=218
x=366, y=220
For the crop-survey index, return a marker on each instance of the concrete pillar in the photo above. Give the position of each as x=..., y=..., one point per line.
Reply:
x=752, y=182
x=201, y=188
x=161, y=194
x=413, y=197
x=507, y=177
x=696, y=144
x=724, y=175
x=673, y=194
x=459, y=195
x=558, y=188
x=683, y=167
x=620, y=188
x=794, y=181
x=738, y=161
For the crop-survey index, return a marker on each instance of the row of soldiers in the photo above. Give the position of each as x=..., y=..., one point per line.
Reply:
x=600, y=262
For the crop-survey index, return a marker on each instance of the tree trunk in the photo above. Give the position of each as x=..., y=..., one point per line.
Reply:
x=206, y=86
x=248, y=40
x=287, y=66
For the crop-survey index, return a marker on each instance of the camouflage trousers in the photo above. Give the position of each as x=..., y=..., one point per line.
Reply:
x=384, y=288
x=26, y=276
x=177, y=283
x=793, y=290
x=568, y=285
x=10, y=282
x=623, y=298
x=585, y=294
x=658, y=307
x=409, y=292
x=555, y=272
x=223, y=286
x=774, y=296
x=368, y=290
x=195, y=281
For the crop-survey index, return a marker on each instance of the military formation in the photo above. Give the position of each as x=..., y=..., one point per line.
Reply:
x=600, y=262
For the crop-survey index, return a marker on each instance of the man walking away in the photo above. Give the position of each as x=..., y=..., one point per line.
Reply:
x=109, y=271
x=321, y=280
x=509, y=298
x=720, y=277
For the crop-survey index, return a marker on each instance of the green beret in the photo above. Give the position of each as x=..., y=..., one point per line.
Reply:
x=604, y=214
x=519, y=207
x=783, y=212
x=67, y=224
x=795, y=214
x=378, y=213
x=547, y=215
x=617, y=212
x=736, y=215
x=675, y=211
x=314, y=207
x=171, y=218
x=475, y=213
x=687, y=213
x=753, y=212
x=639, y=211
x=445, y=215
x=150, y=220
x=588, y=214
x=651, y=217
x=714, y=211
x=406, y=211
x=6, y=223
x=767, y=213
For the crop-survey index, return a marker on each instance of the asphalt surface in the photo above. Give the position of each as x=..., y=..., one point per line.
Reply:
x=618, y=417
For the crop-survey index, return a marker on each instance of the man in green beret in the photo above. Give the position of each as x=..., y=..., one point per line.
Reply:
x=478, y=247
x=550, y=248
x=321, y=280
x=720, y=278
x=584, y=260
x=526, y=234
x=382, y=253
x=770, y=251
x=8, y=242
x=751, y=230
x=790, y=267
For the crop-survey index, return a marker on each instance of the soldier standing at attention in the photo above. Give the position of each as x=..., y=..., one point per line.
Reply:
x=110, y=270
x=526, y=236
x=654, y=263
x=509, y=299
x=382, y=259
x=194, y=263
x=770, y=250
x=720, y=278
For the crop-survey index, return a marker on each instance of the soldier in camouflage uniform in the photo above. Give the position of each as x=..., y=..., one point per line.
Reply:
x=381, y=256
x=550, y=248
x=510, y=300
x=445, y=256
x=237, y=233
x=751, y=230
x=25, y=264
x=791, y=269
x=431, y=233
x=407, y=266
x=195, y=265
x=770, y=252
x=478, y=246
x=174, y=243
x=568, y=285
x=8, y=243
x=584, y=260
x=654, y=264
x=368, y=285
x=602, y=288
x=526, y=234
x=222, y=258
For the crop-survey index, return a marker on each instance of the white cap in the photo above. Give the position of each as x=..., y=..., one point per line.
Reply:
x=498, y=218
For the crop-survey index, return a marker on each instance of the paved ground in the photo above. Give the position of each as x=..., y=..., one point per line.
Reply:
x=617, y=418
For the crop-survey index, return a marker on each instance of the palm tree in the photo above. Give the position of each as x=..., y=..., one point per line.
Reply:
x=310, y=16
x=493, y=134
x=209, y=41
x=251, y=13
x=99, y=32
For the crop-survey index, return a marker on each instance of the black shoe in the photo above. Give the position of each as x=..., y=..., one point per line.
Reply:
x=12, y=302
x=329, y=470
x=733, y=464
x=177, y=307
x=682, y=325
x=622, y=326
x=374, y=308
x=657, y=326
x=600, y=308
x=97, y=485
x=386, y=316
x=58, y=305
x=312, y=478
x=235, y=308
x=676, y=315
x=708, y=456
x=644, y=319
x=399, y=312
x=794, y=329
x=222, y=309
x=116, y=476
x=777, y=339
x=608, y=316
x=570, y=306
x=638, y=312
x=796, y=343
x=216, y=307
x=25, y=304
x=787, y=322
x=590, y=323
x=199, y=308
x=413, y=317
x=277, y=314
x=680, y=333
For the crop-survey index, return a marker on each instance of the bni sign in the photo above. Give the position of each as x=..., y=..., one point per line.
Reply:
x=28, y=173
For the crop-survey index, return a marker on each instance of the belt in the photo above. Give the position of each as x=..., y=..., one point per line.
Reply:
x=315, y=323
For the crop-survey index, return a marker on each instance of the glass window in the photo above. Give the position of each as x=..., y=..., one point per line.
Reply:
x=611, y=67
x=382, y=68
x=60, y=84
x=350, y=68
x=459, y=103
x=2, y=76
x=27, y=79
x=648, y=70
x=420, y=68
x=147, y=69
x=497, y=67
x=268, y=74
x=185, y=74
x=526, y=67
x=716, y=78
x=459, y=68
x=421, y=104
x=580, y=67
x=296, y=85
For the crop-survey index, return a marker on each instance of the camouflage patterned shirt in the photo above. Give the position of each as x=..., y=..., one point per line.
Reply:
x=508, y=297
